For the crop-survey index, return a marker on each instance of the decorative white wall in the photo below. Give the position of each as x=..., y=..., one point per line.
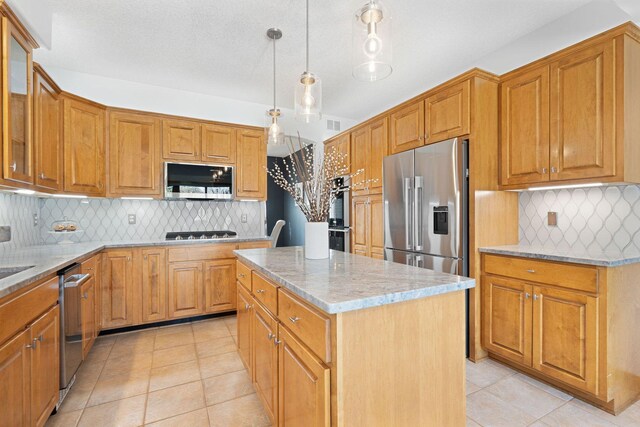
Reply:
x=589, y=219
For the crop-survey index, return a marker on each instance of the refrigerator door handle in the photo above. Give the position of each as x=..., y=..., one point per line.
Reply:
x=407, y=186
x=417, y=213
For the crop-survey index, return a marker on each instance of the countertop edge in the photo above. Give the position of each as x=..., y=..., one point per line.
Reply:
x=562, y=258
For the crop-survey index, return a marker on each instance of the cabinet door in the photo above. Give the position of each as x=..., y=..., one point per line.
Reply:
x=154, y=285
x=45, y=366
x=98, y=293
x=376, y=226
x=265, y=360
x=342, y=145
x=17, y=102
x=379, y=146
x=134, y=155
x=180, y=140
x=251, y=175
x=583, y=130
x=218, y=144
x=245, y=304
x=219, y=285
x=117, y=289
x=407, y=128
x=360, y=152
x=524, y=128
x=47, y=134
x=303, y=385
x=506, y=318
x=185, y=289
x=565, y=337
x=84, y=148
x=15, y=357
x=88, y=307
x=448, y=113
x=359, y=221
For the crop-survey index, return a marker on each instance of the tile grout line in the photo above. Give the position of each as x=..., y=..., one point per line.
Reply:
x=146, y=397
x=204, y=395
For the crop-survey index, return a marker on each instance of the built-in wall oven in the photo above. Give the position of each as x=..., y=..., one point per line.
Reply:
x=339, y=230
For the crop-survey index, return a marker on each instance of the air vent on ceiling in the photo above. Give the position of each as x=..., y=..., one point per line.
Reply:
x=333, y=125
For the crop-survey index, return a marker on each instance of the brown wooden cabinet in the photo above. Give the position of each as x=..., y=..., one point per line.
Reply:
x=181, y=140
x=265, y=360
x=367, y=226
x=251, y=175
x=244, y=316
x=15, y=376
x=360, y=153
x=17, y=96
x=88, y=309
x=342, y=145
x=379, y=148
x=93, y=266
x=218, y=144
x=448, y=113
x=135, y=166
x=45, y=365
x=303, y=384
x=186, y=294
x=406, y=127
x=154, y=285
x=47, y=130
x=84, y=147
x=219, y=285
x=118, y=289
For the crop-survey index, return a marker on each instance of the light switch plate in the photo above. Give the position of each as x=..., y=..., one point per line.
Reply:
x=132, y=218
x=552, y=219
x=243, y=218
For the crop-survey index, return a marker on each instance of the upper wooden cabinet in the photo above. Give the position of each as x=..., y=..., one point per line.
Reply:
x=47, y=131
x=342, y=144
x=135, y=166
x=379, y=140
x=448, y=113
x=218, y=144
x=360, y=154
x=181, y=140
x=84, y=147
x=571, y=117
x=17, y=98
x=369, y=145
x=407, y=128
x=251, y=175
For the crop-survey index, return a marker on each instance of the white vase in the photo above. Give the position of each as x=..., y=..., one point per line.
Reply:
x=316, y=240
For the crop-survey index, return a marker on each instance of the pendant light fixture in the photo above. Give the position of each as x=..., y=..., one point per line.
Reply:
x=371, y=42
x=308, y=94
x=275, y=132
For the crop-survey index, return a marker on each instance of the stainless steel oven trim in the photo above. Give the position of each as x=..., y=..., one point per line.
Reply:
x=232, y=196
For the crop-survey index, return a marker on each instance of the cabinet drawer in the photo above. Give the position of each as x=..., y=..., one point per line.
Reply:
x=90, y=266
x=260, y=244
x=571, y=276
x=312, y=327
x=17, y=313
x=217, y=251
x=265, y=292
x=243, y=274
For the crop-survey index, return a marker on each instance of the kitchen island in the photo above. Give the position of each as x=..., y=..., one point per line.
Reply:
x=350, y=340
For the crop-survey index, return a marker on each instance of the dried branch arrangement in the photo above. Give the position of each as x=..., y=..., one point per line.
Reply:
x=318, y=180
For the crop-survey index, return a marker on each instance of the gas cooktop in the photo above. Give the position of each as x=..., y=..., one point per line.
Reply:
x=200, y=235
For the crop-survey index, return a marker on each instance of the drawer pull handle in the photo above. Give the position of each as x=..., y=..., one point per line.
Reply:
x=260, y=291
x=531, y=271
x=294, y=319
x=270, y=336
x=527, y=295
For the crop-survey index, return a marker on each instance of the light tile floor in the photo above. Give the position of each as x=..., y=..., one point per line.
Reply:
x=184, y=375
x=191, y=375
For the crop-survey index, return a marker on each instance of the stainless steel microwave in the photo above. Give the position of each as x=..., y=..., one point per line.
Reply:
x=193, y=181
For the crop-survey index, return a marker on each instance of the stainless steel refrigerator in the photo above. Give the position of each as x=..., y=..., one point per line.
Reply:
x=425, y=207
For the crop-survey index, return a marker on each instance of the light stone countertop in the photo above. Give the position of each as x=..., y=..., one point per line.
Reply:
x=48, y=259
x=347, y=282
x=594, y=257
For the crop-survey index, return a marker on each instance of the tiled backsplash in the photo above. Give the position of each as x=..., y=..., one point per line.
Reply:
x=107, y=219
x=17, y=211
x=599, y=218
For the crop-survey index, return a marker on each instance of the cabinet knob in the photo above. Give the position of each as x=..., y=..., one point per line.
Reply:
x=241, y=275
x=277, y=342
x=42, y=175
x=527, y=295
x=260, y=291
x=294, y=319
x=85, y=295
x=544, y=171
x=146, y=257
x=34, y=344
x=535, y=297
x=128, y=258
x=14, y=166
x=270, y=336
x=553, y=169
x=247, y=307
x=531, y=271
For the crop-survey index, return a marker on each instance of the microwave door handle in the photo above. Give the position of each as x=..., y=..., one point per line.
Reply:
x=417, y=213
x=408, y=223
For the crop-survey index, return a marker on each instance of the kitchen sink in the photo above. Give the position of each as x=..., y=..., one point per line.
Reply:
x=10, y=271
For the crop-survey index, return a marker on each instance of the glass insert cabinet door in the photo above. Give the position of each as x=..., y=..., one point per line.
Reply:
x=17, y=102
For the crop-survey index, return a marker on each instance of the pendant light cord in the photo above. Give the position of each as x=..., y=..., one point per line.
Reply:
x=307, y=69
x=274, y=74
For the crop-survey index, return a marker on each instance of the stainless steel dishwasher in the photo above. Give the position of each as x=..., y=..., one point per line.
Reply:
x=70, y=281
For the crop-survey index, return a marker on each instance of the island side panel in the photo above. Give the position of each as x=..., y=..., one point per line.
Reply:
x=401, y=364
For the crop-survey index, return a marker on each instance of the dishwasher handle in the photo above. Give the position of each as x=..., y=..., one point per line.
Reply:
x=76, y=280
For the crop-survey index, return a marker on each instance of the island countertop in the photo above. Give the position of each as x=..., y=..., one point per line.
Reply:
x=347, y=282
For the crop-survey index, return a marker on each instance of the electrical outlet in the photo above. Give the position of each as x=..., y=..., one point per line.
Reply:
x=243, y=218
x=552, y=219
x=35, y=219
x=132, y=218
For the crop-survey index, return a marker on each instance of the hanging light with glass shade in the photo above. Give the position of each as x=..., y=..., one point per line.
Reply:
x=308, y=94
x=275, y=132
x=371, y=43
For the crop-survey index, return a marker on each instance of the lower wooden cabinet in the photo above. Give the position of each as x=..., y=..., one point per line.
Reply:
x=88, y=310
x=367, y=226
x=245, y=309
x=219, y=285
x=265, y=360
x=154, y=285
x=118, y=293
x=186, y=295
x=303, y=389
x=29, y=372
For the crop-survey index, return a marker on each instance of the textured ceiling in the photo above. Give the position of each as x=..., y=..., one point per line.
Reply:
x=219, y=47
